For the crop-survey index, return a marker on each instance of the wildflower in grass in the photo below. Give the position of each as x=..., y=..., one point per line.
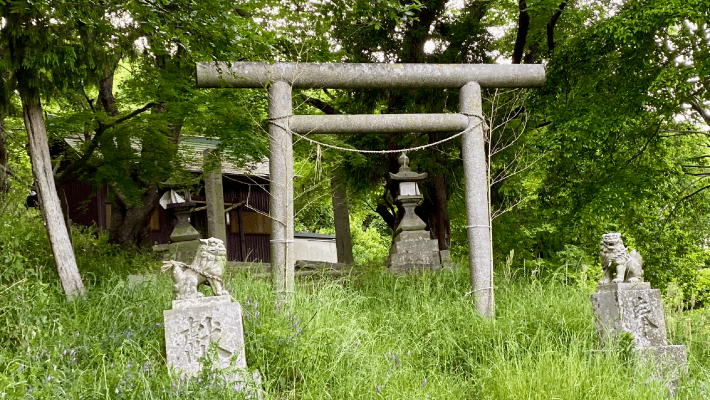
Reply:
x=424, y=383
x=49, y=378
x=140, y=306
x=29, y=390
x=257, y=314
x=146, y=366
x=379, y=389
x=77, y=334
x=73, y=359
x=130, y=314
x=256, y=304
x=65, y=353
x=111, y=366
x=71, y=353
x=129, y=365
x=409, y=352
x=21, y=367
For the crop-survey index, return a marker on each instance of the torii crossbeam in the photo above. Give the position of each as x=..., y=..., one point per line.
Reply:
x=281, y=78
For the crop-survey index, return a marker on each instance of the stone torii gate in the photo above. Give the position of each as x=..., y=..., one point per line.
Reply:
x=281, y=78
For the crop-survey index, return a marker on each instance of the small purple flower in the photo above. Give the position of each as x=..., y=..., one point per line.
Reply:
x=256, y=304
x=379, y=389
x=123, y=383
x=140, y=306
x=257, y=314
x=111, y=366
x=409, y=352
x=131, y=385
x=73, y=359
x=357, y=343
x=130, y=314
x=129, y=365
x=77, y=334
x=65, y=353
x=424, y=383
x=71, y=353
x=56, y=320
x=128, y=335
x=29, y=390
x=146, y=366
x=17, y=298
x=21, y=367
x=248, y=302
x=49, y=378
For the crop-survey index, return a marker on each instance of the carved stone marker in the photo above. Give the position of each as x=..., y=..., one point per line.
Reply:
x=635, y=308
x=412, y=248
x=195, y=322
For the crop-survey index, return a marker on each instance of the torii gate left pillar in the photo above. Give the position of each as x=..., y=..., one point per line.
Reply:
x=281, y=78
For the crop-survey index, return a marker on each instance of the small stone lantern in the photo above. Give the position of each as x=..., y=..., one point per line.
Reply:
x=409, y=196
x=412, y=248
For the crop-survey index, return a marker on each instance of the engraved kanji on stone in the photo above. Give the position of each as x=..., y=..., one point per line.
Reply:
x=198, y=335
x=643, y=312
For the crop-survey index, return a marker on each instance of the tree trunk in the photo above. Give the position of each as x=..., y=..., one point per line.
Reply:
x=49, y=201
x=341, y=217
x=130, y=222
x=4, y=163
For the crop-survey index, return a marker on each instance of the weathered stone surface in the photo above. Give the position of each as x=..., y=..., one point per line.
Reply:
x=214, y=195
x=670, y=361
x=182, y=251
x=183, y=231
x=192, y=325
x=207, y=267
x=637, y=309
x=412, y=248
x=618, y=265
x=632, y=308
x=446, y=261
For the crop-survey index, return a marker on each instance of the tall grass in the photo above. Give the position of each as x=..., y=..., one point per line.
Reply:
x=371, y=337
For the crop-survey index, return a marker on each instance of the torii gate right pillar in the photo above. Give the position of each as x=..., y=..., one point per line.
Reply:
x=478, y=220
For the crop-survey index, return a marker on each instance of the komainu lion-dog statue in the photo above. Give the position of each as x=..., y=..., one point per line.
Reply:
x=618, y=265
x=207, y=267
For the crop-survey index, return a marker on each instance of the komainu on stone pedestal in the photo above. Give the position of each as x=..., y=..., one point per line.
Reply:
x=617, y=264
x=625, y=304
x=196, y=322
x=207, y=267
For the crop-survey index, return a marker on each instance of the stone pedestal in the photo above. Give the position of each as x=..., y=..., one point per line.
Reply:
x=637, y=309
x=192, y=325
x=414, y=251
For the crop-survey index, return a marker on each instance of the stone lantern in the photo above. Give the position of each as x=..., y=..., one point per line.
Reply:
x=412, y=247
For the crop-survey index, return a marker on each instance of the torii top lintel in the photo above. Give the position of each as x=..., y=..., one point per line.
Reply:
x=367, y=75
